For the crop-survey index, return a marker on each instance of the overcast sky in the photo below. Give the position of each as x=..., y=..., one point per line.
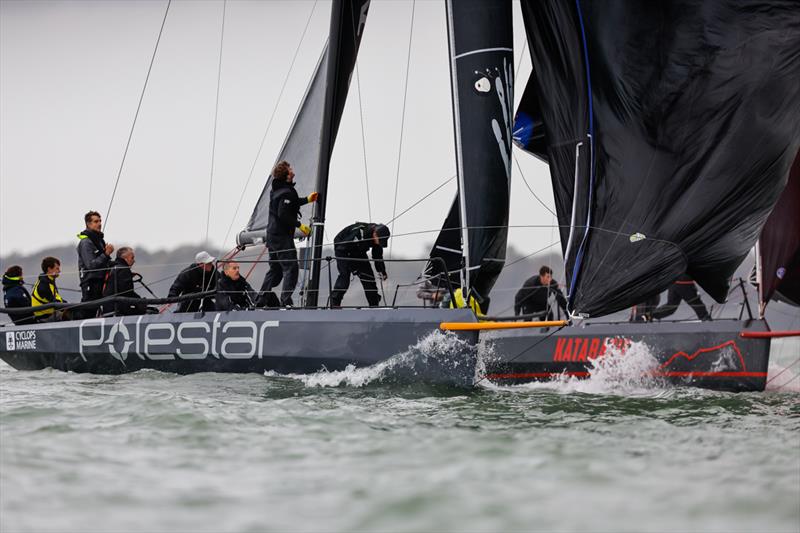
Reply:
x=70, y=78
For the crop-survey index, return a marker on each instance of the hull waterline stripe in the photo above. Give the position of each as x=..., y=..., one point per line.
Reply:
x=479, y=326
x=768, y=334
x=531, y=375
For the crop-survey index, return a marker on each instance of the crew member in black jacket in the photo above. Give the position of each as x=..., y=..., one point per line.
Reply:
x=94, y=259
x=284, y=218
x=197, y=277
x=534, y=295
x=682, y=289
x=120, y=283
x=16, y=295
x=233, y=291
x=351, y=246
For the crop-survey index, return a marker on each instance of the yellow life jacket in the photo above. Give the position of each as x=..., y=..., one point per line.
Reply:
x=458, y=302
x=37, y=299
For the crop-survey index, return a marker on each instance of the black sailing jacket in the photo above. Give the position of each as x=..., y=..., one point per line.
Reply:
x=532, y=297
x=16, y=295
x=356, y=240
x=284, y=210
x=191, y=280
x=120, y=283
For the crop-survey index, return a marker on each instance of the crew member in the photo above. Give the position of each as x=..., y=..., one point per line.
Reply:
x=643, y=312
x=45, y=290
x=197, y=277
x=682, y=289
x=94, y=259
x=233, y=291
x=16, y=295
x=284, y=218
x=351, y=246
x=533, y=298
x=120, y=283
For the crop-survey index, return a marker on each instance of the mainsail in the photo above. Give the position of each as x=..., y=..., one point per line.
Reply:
x=779, y=246
x=670, y=130
x=481, y=70
x=304, y=143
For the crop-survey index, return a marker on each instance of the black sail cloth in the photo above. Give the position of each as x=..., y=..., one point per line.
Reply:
x=779, y=245
x=672, y=126
x=481, y=70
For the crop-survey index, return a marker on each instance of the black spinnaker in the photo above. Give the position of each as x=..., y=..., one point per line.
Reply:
x=670, y=130
x=779, y=246
x=304, y=141
x=482, y=74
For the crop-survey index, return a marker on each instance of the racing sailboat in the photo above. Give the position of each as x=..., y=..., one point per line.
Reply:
x=649, y=176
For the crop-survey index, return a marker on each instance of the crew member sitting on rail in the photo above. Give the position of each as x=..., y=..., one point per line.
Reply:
x=351, y=246
x=233, y=291
x=197, y=277
x=16, y=295
x=45, y=290
x=682, y=289
x=119, y=282
x=533, y=298
x=94, y=258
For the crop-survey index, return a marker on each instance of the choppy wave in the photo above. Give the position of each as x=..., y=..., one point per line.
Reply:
x=439, y=358
x=629, y=372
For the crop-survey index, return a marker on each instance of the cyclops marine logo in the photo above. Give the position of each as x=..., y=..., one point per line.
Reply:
x=236, y=339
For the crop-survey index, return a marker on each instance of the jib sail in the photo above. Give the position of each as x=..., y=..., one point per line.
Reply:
x=481, y=71
x=304, y=142
x=670, y=130
x=448, y=248
x=779, y=246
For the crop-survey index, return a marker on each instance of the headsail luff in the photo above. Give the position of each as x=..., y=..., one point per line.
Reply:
x=779, y=245
x=348, y=18
x=689, y=111
x=304, y=141
x=481, y=69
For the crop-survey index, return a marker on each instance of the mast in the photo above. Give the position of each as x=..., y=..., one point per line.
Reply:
x=347, y=25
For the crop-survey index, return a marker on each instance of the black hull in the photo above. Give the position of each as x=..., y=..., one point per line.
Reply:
x=710, y=355
x=283, y=341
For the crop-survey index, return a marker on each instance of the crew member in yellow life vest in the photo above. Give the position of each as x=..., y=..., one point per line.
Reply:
x=45, y=290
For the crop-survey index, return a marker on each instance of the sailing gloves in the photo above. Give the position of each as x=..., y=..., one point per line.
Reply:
x=312, y=197
x=305, y=229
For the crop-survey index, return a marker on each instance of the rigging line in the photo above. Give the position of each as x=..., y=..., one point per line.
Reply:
x=363, y=143
x=415, y=204
x=402, y=122
x=136, y=115
x=269, y=122
x=216, y=116
x=532, y=346
x=519, y=167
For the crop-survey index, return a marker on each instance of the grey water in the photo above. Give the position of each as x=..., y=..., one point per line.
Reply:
x=383, y=449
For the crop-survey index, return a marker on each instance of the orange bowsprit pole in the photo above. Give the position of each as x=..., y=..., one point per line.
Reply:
x=768, y=334
x=480, y=326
